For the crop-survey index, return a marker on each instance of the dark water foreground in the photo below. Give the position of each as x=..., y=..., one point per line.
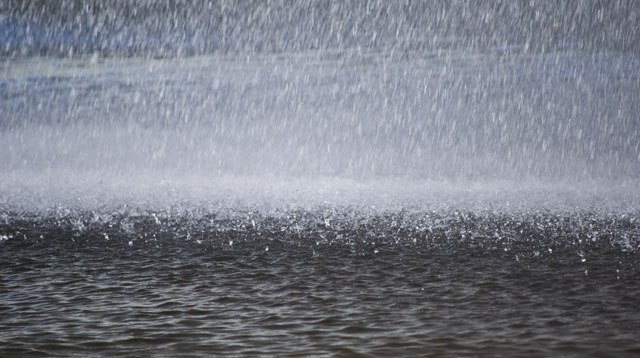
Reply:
x=334, y=282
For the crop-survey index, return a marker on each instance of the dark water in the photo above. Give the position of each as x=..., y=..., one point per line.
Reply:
x=322, y=282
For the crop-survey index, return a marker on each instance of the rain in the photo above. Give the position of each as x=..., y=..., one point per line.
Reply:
x=362, y=177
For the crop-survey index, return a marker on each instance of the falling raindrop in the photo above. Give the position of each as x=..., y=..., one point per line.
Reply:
x=582, y=256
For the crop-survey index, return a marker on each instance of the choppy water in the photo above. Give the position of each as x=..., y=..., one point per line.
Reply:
x=456, y=271
x=275, y=291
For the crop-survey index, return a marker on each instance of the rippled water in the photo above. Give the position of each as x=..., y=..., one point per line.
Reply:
x=64, y=299
x=470, y=276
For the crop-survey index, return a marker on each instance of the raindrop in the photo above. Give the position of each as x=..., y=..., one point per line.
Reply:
x=582, y=256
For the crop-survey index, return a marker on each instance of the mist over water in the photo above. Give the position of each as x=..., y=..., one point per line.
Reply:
x=420, y=90
x=445, y=115
x=362, y=177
